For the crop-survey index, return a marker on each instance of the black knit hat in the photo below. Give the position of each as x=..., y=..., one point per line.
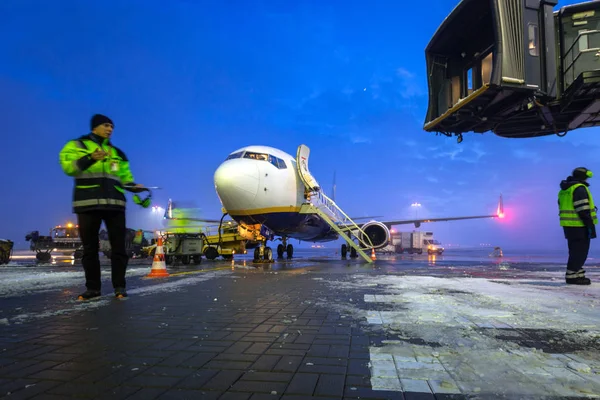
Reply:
x=580, y=173
x=100, y=119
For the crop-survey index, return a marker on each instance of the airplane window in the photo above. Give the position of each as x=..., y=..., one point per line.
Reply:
x=257, y=156
x=281, y=163
x=273, y=160
x=235, y=155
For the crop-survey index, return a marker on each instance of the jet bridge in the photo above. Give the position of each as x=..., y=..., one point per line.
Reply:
x=318, y=203
x=514, y=67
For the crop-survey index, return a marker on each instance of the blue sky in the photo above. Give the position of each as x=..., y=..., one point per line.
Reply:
x=187, y=82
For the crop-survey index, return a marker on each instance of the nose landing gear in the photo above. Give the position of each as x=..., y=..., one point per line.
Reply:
x=263, y=254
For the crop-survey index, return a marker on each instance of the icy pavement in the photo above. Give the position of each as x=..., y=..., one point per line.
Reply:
x=505, y=337
x=63, y=283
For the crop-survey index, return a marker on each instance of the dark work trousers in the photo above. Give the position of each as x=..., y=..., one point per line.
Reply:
x=89, y=227
x=578, y=253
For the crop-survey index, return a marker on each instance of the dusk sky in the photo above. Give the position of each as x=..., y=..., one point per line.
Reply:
x=187, y=82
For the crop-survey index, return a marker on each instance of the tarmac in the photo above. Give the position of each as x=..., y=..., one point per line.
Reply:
x=458, y=326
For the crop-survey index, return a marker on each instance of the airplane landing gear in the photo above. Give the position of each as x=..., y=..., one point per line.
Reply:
x=263, y=254
x=285, y=248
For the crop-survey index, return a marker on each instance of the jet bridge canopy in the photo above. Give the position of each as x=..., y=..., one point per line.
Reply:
x=486, y=62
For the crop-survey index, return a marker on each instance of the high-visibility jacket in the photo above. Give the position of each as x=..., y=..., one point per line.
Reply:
x=139, y=235
x=568, y=209
x=99, y=185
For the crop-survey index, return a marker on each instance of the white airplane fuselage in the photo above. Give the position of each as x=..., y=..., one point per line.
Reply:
x=261, y=185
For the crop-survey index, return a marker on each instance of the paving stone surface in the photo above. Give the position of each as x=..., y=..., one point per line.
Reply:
x=294, y=330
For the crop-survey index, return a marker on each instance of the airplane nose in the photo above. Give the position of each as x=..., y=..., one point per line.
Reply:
x=236, y=183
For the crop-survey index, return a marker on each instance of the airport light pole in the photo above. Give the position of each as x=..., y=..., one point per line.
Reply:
x=416, y=207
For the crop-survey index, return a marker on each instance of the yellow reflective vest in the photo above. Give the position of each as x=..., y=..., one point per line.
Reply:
x=99, y=185
x=567, y=214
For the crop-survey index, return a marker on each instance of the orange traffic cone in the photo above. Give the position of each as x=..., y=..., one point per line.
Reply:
x=159, y=267
x=373, y=256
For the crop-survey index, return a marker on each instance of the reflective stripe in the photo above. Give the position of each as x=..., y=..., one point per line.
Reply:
x=576, y=274
x=582, y=208
x=86, y=186
x=567, y=207
x=89, y=175
x=95, y=202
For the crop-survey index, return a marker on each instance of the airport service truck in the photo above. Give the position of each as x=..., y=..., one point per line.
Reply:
x=415, y=242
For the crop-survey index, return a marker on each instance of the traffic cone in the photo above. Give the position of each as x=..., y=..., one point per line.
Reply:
x=373, y=256
x=159, y=267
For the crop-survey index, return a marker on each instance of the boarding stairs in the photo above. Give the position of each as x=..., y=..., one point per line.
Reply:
x=318, y=203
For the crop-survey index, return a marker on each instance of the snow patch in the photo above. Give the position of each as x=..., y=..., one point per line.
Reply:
x=454, y=334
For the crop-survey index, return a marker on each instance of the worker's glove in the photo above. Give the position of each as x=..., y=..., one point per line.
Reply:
x=591, y=232
x=144, y=202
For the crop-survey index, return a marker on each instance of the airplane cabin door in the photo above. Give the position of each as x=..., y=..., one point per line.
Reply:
x=302, y=164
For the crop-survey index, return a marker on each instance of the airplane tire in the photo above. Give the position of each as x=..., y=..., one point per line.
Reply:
x=344, y=251
x=353, y=253
x=257, y=254
x=290, y=251
x=268, y=254
x=279, y=251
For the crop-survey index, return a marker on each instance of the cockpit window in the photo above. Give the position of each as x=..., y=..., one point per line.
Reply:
x=235, y=155
x=281, y=164
x=276, y=162
x=257, y=156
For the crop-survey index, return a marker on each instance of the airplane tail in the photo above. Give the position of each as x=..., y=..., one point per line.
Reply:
x=169, y=210
x=500, y=210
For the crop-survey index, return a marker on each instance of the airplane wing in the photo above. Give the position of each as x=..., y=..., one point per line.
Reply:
x=418, y=222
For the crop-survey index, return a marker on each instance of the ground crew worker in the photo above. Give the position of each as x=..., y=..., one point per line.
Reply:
x=102, y=175
x=578, y=218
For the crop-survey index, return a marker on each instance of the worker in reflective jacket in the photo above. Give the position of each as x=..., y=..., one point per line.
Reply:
x=102, y=176
x=578, y=218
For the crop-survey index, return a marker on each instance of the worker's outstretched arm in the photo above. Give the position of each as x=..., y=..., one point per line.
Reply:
x=74, y=159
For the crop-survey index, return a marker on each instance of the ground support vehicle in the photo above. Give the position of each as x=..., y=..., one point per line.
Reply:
x=135, y=242
x=182, y=248
x=62, y=239
x=6, y=247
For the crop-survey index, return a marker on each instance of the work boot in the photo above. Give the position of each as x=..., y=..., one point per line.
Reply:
x=89, y=294
x=577, y=277
x=120, y=293
x=579, y=281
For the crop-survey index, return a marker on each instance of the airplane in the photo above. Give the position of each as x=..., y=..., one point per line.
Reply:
x=265, y=188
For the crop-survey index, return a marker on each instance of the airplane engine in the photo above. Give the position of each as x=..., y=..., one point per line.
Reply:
x=378, y=233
